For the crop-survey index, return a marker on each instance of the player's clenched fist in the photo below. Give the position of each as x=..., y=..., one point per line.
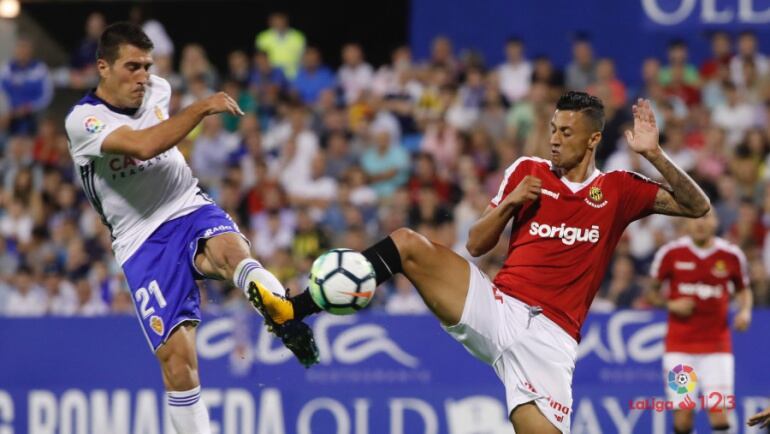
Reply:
x=221, y=102
x=528, y=189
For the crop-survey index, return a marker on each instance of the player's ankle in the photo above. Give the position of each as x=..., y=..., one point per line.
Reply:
x=250, y=270
x=304, y=305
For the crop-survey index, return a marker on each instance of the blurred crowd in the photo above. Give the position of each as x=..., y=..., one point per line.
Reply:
x=339, y=157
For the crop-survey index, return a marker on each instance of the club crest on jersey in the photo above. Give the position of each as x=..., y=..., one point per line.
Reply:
x=719, y=269
x=596, y=196
x=159, y=113
x=93, y=124
x=156, y=324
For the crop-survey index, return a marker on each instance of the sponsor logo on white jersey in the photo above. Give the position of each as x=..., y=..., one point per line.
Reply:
x=550, y=193
x=568, y=235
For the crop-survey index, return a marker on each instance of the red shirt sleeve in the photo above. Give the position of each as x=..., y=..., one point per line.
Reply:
x=513, y=176
x=637, y=196
x=740, y=276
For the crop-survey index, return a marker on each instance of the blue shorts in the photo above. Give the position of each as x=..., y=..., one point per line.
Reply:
x=162, y=273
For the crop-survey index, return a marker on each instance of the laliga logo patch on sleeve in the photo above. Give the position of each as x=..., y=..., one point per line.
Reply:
x=93, y=125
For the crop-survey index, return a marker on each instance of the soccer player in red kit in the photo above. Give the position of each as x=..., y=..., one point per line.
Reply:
x=702, y=272
x=567, y=218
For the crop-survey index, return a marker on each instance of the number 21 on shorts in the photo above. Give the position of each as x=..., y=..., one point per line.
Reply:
x=143, y=295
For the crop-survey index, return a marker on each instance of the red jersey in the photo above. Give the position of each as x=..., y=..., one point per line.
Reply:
x=562, y=243
x=708, y=276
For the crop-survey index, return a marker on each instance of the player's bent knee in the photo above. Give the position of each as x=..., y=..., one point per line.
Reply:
x=409, y=242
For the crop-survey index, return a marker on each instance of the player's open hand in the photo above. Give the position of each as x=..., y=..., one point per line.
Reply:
x=644, y=138
x=528, y=189
x=221, y=102
x=762, y=418
x=682, y=307
x=742, y=320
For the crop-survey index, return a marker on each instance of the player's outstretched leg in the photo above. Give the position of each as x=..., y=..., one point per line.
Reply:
x=440, y=275
x=179, y=365
x=227, y=256
x=442, y=278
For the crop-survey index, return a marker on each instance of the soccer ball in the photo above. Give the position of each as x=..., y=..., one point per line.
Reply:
x=342, y=281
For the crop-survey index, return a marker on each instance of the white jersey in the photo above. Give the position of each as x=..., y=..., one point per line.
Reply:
x=133, y=197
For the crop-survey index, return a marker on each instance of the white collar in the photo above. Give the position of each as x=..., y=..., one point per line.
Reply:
x=577, y=186
x=700, y=252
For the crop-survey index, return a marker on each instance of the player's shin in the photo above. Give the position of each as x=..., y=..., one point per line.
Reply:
x=189, y=414
x=385, y=259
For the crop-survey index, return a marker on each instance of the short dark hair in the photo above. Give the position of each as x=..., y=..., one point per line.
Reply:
x=122, y=33
x=584, y=103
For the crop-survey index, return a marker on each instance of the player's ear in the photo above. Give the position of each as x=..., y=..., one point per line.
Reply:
x=103, y=67
x=594, y=140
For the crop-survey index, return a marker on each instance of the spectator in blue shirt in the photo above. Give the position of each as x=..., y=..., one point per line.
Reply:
x=84, y=55
x=313, y=77
x=264, y=78
x=385, y=163
x=27, y=84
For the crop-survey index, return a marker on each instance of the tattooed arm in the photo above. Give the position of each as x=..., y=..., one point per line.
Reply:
x=682, y=196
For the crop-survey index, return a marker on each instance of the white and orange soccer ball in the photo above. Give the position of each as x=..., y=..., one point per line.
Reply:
x=342, y=281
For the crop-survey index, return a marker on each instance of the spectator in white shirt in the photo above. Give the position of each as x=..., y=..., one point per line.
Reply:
x=388, y=80
x=62, y=299
x=748, y=48
x=677, y=149
x=274, y=234
x=211, y=150
x=316, y=192
x=355, y=75
x=297, y=150
x=88, y=302
x=515, y=75
x=17, y=223
x=26, y=297
x=734, y=115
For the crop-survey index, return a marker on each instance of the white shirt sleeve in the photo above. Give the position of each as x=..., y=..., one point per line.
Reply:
x=87, y=126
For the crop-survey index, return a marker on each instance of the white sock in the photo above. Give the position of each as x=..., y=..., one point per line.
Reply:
x=250, y=269
x=188, y=412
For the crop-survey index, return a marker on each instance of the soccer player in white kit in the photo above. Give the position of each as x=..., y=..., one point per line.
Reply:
x=166, y=232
